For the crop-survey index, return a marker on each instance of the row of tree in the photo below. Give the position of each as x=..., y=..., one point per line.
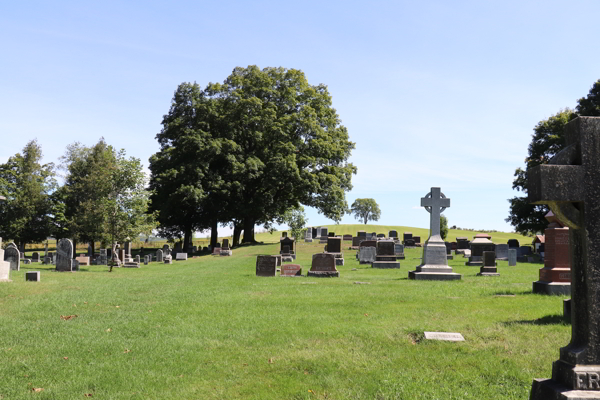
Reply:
x=547, y=140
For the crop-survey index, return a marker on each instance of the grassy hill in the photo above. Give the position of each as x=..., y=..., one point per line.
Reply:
x=351, y=229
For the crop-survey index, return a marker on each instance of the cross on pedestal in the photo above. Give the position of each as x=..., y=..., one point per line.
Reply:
x=570, y=185
x=435, y=203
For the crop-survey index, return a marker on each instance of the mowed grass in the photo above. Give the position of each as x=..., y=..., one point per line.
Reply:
x=208, y=328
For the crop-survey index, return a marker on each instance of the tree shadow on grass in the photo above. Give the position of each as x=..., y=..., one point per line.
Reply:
x=554, y=319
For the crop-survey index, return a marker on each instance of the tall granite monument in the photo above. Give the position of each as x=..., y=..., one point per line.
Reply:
x=555, y=277
x=435, y=264
x=570, y=186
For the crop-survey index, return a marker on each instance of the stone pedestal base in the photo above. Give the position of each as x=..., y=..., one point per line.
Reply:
x=559, y=288
x=435, y=264
x=385, y=264
x=434, y=276
x=547, y=389
x=131, y=265
x=488, y=274
x=400, y=257
x=323, y=274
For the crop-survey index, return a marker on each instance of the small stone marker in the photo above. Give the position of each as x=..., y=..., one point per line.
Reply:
x=146, y=259
x=323, y=265
x=83, y=260
x=266, y=265
x=452, y=337
x=291, y=270
x=489, y=264
x=181, y=257
x=32, y=276
x=512, y=257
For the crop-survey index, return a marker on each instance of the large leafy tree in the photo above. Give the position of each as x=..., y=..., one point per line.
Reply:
x=547, y=140
x=249, y=149
x=365, y=210
x=27, y=184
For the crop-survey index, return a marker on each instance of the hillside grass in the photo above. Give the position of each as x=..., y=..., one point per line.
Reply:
x=208, y=328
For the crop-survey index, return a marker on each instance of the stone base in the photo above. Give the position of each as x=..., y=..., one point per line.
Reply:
x=547, y=389
x=434, y=276
x=226, y=253
x=324, y=274
x=385, y=264
x=130, y=265
x=339, y=261
x=288, y=258
x=400, y=257
x=474, y=263
x=488, y=274
x=558, y=288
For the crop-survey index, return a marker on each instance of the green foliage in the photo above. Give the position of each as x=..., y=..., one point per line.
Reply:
x=25, y=216
x=247, y=150
x=295, y=219
x=443, y=226
x=547, y=140
x=365, y=210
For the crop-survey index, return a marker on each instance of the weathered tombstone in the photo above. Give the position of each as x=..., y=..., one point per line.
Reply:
x=159, y=255
x=13, y=256
x=64, y=255
x=323, y=265
x=291, y=270
x=166, y=250
x=386, y=255
x=366, y=254
x=181, y=256
x=103, y=258
x=513, y=243
x=168, y=259
x=137, y=258
x=4, y=266
x=399, y=251
x=308, y=235
x=489, y=264
x=480, y=243
x=32, y=276
x=502, y=252
x=266, y=265
x=512, y=257
x=555, y=277
x=393, y=234
x=147, y=259
x=127, y=248
x=569, y=185
x=35, y=257
x=435, y=264
x=409, y=243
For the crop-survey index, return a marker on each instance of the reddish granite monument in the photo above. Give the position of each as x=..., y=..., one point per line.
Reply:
x=555, y=277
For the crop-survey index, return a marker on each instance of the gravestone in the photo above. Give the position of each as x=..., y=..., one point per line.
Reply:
x=380, y=235
x=13, y=256
x=347, y=237
x=181, y=257
x=159, y=255
x=83, y=260
x=32, y=276
x=35, y=257
x=386, y=255
x=102, y=258
x=291, y=270
x=331, y=234
x=449, y=255
x=434, y=264
x=64, y=255
x=417, y=240
x=323, y=235
x=89, y=252
x=399, y=251
x=373, y=235
x=368, y=243
x=513, y=243
x=555, y=277
x=266, y=265
x=366, y=254
x=308, y=235
x=512, y=257
x=356, y=242
x=361, y=234
x=462, y=243
x=137, y=259
x=489, y=264
x=480, y=243
x=393, y=234
x=147, y=259
x=127, y=248
x=4, y=266
x=225, y=249
x=290, y=243
x=502, y=252
x=316, y=232
x=168, y=259
x=409, y=243
x=323, y=266
x=523, y=253
x=334, y=245
x=569, y=184
x=285, y=254
x=166, y=250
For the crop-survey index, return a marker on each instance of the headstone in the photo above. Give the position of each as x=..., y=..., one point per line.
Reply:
x=449, y=336
x=502, y=252
x=356, y=241
x=168, y=259
x=287, y=242
x=266, y=265
x=417, y=239
x=166, y=250
x=4, y=266
x=399, y=251
x=462, y=243
x=26, y=261
x=13, y=256
x=284, y=234
x=569, y=185
x=291, y=270
x=361, y=234
x=331, y=234
x=386, y=255
x=323, y=265
x=555, y=277
x=513, y=243
x=103, y=257
x=90, y=253
x=46, y=250
x=137, y=258
x=83, y=260
x=225, y=245
x=334, y=245
x=316, y=232
x=216, y=251
x=373, y=235
x=159, y=255
x=409, y=243
x=147, y=259
x=480, y=243
x=380, y=235
x=347, y=237
x=489, y=264
x=449, y=255
x=35, y=257
x=512, y=257
x=393, y=234
x=434, y=264
x=308, y=235
x=127, y=248
x=366, y=255
x=122, y=255
x=32, y=276
x=64, y=255
x=323, y=233
x=181, y=257
x=368, y=243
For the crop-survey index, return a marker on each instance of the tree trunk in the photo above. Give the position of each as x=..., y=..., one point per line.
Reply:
x=187, y=239
x=248, y=231
x=214, y=233
x=366, y=219
x=74, y=248
x=237, y=230
x=93, y=244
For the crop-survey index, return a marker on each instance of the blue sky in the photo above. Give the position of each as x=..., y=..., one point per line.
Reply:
x=433, y=93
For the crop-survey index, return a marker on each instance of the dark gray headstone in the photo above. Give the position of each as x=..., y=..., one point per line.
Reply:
x=13, y=256
x=64, y=255
x=512, y=257
x=385, y=248
x=334, y=245
x=393, y=234
x=266, y=265
x=32, y=276
x=513, y=243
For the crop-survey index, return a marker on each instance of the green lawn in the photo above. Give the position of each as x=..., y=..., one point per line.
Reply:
x=208, y=328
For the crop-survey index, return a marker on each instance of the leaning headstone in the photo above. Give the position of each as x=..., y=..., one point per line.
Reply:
x=569, y=185
x=291, y=270
x=323, y=265
x=386, y=255
x=435, y=264
x=266, y=265
x=64, y=255
x=555, y=277
x=489, y=264
x=32, y=276
x=502, y=252
x=35, y=257
x=159, y=255
x=4, y=266
x=13, y=256
x=512, y=257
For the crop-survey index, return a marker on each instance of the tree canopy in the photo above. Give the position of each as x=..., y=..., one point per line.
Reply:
x=443, y=226
x=547, y=140
x=247, y=150
x=365, y=210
